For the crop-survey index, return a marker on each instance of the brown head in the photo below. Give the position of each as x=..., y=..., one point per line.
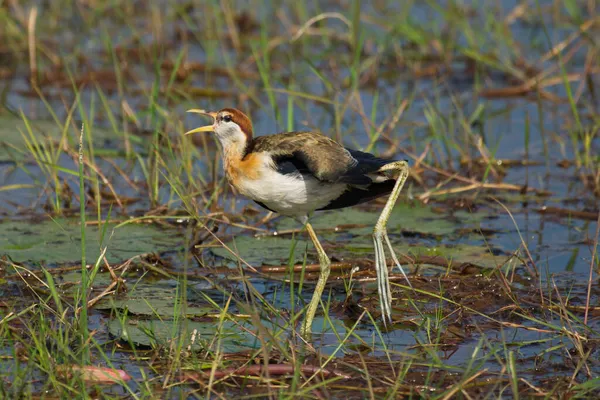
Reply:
x=231, y=126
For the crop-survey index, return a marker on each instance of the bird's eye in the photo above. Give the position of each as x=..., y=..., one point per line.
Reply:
x=227, y=118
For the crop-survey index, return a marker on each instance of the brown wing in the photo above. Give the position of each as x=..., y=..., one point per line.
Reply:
x=309, y=152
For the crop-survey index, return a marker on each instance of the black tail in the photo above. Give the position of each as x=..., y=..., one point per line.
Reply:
x=356, y=195
x=361, y=187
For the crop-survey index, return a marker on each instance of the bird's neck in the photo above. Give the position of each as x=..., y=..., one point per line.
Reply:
x=233, y=153
x=241, y=165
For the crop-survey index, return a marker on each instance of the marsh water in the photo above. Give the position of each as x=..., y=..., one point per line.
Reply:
x=497, y=224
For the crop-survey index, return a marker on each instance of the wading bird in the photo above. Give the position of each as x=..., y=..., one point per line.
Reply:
x=296, y=173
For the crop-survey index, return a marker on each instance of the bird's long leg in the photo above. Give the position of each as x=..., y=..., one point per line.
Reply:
x=400, y=170
x=324, y=274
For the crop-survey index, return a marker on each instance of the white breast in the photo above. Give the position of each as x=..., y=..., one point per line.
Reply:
x=292, y=194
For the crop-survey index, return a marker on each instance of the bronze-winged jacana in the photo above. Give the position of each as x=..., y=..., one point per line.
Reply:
x=296, y=173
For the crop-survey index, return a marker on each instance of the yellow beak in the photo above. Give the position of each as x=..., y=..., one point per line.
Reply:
x=208, y=128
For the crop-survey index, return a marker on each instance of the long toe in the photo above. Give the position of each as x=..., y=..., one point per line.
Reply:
x=395, y=258
x=383, y=284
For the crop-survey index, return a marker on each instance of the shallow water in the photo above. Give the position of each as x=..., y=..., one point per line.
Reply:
x=438, y=121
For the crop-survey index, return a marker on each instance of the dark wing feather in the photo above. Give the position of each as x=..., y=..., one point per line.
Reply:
x=290, y=165
x=306, y=152
x=361, y=188
x=366, y=164
x=357, y=195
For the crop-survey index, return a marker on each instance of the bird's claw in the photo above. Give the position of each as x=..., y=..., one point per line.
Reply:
x=383, y=282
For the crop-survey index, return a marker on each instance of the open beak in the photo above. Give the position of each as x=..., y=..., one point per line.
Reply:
x=208, y=128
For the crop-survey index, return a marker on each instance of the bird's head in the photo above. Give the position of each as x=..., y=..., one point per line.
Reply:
x=232, y=128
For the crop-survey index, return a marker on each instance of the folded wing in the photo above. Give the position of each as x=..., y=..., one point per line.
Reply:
x=308, y=153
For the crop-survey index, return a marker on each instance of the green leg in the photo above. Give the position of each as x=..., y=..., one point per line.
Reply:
x=324, y=274
x=400, y=169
